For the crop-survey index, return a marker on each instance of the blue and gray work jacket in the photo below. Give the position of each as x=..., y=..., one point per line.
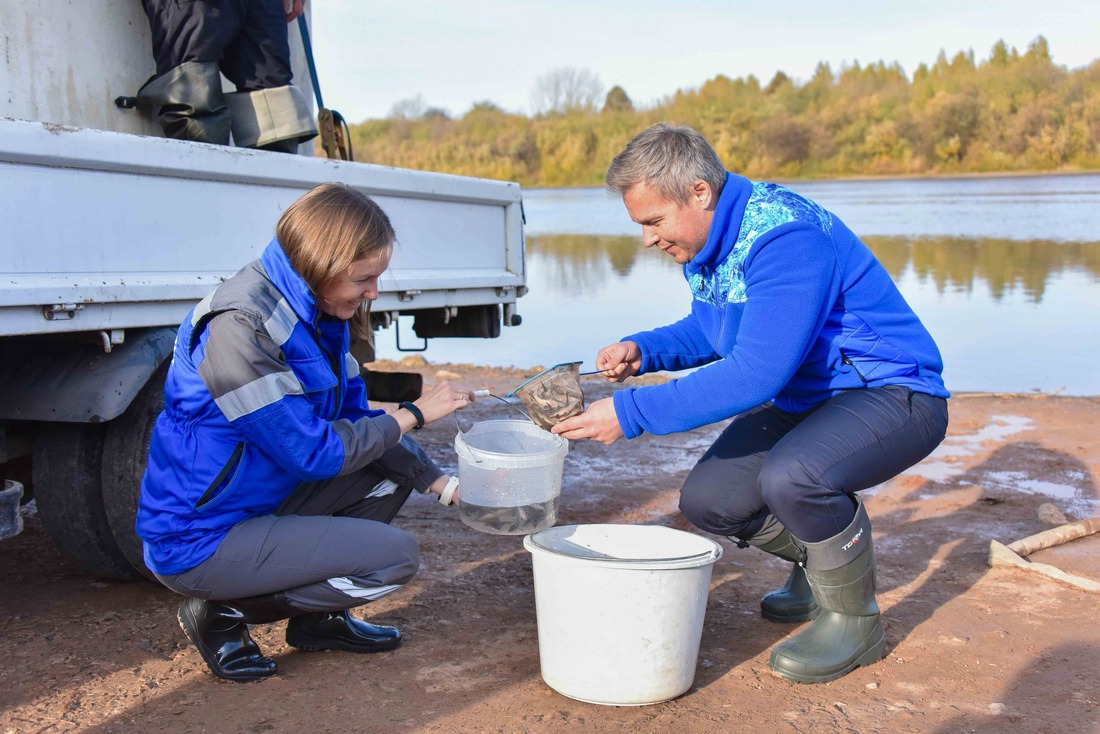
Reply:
x=262, y=394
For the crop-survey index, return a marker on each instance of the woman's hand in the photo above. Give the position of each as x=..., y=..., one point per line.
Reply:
x=619, y=361
x=439, y=486
x=599, y=423
x=442, y=399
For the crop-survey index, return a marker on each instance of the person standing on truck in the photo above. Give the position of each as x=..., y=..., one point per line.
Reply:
x=831, y=380
x=195, y=42
x=271, y=484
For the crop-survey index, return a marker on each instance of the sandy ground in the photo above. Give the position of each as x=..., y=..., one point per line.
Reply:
x=970, y=648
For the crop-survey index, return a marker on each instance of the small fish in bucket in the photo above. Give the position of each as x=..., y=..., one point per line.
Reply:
x=552, y=395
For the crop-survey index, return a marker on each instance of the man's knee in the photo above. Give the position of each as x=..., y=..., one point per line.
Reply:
x=697, y=501
x=711, y=508
x=783, y=482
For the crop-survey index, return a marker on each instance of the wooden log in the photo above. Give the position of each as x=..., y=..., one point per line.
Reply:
x=1055, y=536
x=1003, y=555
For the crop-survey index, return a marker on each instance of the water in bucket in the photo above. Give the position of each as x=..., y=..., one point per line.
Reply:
x=510, y=473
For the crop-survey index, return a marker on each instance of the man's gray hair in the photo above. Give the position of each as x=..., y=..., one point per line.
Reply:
x=670, y=160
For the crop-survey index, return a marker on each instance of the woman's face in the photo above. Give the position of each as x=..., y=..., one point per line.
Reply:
x=351, y=289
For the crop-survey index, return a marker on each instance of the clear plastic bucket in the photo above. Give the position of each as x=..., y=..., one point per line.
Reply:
x=620, y=610
x=510, y=476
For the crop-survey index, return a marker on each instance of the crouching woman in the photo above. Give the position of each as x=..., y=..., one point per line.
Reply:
x=271, y=484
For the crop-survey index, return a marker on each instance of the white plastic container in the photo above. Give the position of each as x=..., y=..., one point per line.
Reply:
x=620, y=610
x=510, y=476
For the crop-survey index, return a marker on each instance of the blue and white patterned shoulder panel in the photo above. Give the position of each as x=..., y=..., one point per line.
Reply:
x=770, y=205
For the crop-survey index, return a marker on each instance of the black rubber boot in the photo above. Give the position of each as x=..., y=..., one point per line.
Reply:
x=847, y=633
x=188, y=103
x=265, y=608
x=792, y=602
x=220, y=633
x=340, y=631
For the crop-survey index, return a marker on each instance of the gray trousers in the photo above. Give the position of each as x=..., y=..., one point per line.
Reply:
x=803, y=467
x=328, y=547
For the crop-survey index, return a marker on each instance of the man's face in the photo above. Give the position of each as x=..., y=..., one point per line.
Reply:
x=678, y=229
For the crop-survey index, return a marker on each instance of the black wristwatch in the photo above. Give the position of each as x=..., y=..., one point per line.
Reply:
x=416, y=414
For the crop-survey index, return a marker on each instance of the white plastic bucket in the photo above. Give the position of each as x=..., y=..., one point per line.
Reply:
x=620, y=610
x=510, y=476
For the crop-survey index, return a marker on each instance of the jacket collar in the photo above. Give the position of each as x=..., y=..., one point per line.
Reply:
x=289, y=283
x=725, y=226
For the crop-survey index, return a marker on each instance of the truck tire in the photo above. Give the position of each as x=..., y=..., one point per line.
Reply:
x=125, y=454
x=67, y=489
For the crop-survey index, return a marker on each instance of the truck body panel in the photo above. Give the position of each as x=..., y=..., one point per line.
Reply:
x=112, y=233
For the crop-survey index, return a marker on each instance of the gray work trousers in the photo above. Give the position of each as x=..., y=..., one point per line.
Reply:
x=803, y=467
x=328, y=547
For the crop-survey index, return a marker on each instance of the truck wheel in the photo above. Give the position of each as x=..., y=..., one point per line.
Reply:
x=125, y=454
x=68, y=492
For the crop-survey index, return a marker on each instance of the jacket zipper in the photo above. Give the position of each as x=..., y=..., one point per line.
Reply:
x=233, y=463
x=332, y=365
x=844, y=358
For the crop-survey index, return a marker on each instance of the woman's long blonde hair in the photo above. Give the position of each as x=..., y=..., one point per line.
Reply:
x=326, y=231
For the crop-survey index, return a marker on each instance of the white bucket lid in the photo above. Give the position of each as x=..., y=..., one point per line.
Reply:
x=640, y=547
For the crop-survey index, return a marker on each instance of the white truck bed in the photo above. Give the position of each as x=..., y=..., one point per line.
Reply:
x=107, y=231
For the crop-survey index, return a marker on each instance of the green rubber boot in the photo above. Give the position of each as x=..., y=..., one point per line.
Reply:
x=794, y=601
x=847, y=634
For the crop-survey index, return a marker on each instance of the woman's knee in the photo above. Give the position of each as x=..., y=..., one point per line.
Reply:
x=406, y=559
x=386, y=555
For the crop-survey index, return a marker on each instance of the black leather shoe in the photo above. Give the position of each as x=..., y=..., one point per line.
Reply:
x=221, y=636
x=339, y=631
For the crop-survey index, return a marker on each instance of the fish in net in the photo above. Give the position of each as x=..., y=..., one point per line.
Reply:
x=553, y=395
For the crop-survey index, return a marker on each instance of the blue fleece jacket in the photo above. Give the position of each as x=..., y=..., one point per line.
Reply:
x=789, y=306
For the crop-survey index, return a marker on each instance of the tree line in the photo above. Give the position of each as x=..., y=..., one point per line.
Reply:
x=1011, y=112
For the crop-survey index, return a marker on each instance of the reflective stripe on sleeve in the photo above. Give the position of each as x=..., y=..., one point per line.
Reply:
x=258, y=394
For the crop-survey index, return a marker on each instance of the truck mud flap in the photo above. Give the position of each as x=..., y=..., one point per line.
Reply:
x=63, y=382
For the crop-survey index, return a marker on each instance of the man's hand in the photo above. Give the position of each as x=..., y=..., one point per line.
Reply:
x=598, y=423
x=619, y=361
x=294, y=8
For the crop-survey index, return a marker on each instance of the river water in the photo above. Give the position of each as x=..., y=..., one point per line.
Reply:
x=1005, y=273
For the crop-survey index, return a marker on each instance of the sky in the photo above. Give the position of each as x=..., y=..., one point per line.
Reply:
x=371, y=55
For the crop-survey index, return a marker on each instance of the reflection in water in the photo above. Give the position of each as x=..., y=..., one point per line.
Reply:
x=1003, y=265
x=1008, y=315
x=582, y=262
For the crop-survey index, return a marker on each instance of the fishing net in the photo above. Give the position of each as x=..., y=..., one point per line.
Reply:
x=553, y=395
